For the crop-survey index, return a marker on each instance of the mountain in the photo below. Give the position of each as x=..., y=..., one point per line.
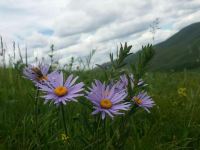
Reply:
x=180, y=51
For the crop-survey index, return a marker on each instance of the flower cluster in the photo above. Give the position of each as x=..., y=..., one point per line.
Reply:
x=107, y=99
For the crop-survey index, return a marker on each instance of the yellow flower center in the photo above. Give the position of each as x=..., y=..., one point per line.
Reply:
x=61, y=91
x=105, y=103
x=137, y=100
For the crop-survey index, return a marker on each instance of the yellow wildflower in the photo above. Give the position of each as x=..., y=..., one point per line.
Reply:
x=182, y=92
x=64, y=138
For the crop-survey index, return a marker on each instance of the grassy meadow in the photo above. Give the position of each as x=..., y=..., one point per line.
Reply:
x=174, y=123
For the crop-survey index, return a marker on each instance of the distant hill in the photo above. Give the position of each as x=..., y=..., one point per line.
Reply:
x=181, y=51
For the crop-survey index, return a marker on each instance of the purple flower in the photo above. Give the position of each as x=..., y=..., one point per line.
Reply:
x=106, y=100
x=124, y=81
x=144, y=101
x=36, y=73
x=59, y=92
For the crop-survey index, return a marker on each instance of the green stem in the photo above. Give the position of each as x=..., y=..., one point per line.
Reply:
x=104, y=131
x=63, y=117
x=36, y=112
x=123, y=126
x=98, y=121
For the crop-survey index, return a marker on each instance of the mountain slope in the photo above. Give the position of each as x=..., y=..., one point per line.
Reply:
x=181, y=51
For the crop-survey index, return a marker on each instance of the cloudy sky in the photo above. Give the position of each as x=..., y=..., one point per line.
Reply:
x=77, y=26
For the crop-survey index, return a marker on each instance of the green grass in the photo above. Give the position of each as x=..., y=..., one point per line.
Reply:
x=173, y=123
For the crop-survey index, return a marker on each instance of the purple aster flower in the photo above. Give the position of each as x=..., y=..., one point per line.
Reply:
x=106, y=100
x=36, y=73
x=59, y=92
x=144, y=101
x=124, y=81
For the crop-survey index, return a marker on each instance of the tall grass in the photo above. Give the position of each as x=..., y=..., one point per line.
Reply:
x=173, y=124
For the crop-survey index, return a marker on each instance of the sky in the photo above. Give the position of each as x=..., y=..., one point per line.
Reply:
x=75, y=27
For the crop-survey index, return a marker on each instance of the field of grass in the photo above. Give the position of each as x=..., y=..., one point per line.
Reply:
x=174, y=123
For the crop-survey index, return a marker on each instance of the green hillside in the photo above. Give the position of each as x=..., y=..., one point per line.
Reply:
x=181, y=51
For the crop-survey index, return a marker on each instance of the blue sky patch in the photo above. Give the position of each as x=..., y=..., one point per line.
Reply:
x=47, y=32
